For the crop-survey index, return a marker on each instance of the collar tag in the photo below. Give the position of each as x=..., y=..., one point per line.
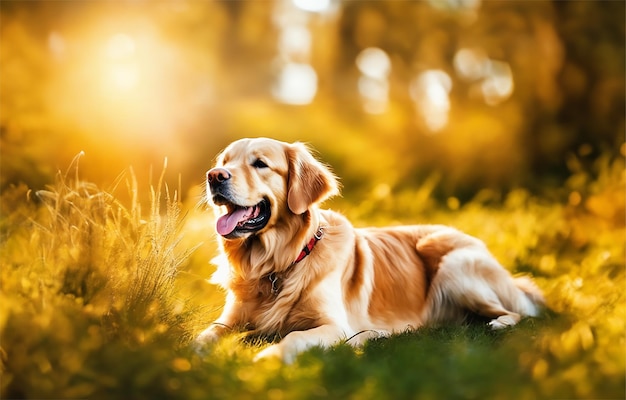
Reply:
x=306, y=250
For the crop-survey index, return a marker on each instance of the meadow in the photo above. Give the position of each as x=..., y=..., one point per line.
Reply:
x=429, y=112
x=101, y=298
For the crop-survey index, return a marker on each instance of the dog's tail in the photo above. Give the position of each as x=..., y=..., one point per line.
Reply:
x=531, y=300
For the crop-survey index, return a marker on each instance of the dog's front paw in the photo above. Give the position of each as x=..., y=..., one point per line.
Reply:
x=502, y=322
x=277, y=352
x=208, y=336
x=271, y=352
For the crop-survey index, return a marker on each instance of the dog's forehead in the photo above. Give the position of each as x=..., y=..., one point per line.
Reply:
x=246, y=149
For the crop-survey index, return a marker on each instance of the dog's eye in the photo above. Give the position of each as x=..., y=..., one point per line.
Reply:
x=259, y=163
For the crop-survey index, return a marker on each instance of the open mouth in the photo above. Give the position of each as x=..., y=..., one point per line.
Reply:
x=241, y=220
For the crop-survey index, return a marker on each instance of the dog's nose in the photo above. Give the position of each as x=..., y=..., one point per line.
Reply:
x=215, y=176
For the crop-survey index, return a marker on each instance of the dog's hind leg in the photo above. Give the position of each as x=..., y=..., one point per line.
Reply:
x=470, y=279
x=453, y=302
x=491, y=307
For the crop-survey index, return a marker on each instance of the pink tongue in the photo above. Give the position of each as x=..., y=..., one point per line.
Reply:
x=227, y=223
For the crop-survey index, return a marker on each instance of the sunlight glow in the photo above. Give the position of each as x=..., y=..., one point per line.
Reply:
x=430, y=91
x=121, y=68
x=119, y=86
x=123, y=77
x=297, y=84
x=120, y=46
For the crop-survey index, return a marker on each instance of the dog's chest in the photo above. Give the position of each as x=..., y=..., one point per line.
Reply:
x=272, y=310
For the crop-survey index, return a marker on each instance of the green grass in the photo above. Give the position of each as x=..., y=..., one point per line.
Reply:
x=100, y=299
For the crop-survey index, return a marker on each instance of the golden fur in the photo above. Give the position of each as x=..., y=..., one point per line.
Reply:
x=356, y=283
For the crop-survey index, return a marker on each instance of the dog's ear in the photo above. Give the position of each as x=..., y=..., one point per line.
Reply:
x=309, y=181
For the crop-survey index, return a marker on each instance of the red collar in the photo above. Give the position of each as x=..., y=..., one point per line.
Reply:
x=306, y=250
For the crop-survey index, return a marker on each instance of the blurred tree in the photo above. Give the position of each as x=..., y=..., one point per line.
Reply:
x=590, y=116
x=485, y=94
x=567, y=60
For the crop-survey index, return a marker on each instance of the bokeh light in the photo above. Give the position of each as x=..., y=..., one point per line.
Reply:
x=470, y=64
x=297, y=84
x=375, y=67
x=313, y=5
x=430, y=91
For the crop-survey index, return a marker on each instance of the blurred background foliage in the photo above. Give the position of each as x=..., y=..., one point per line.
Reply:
x=491, y=94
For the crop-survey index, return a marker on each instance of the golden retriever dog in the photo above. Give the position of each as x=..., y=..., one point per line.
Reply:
x=306, y=275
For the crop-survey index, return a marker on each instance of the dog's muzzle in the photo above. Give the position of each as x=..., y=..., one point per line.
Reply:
x=239, y=220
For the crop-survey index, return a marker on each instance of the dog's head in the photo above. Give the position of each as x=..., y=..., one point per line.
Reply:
x=258, y=182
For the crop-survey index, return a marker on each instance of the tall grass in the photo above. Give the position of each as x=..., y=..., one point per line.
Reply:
x=80, y=269
x=100, y=297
